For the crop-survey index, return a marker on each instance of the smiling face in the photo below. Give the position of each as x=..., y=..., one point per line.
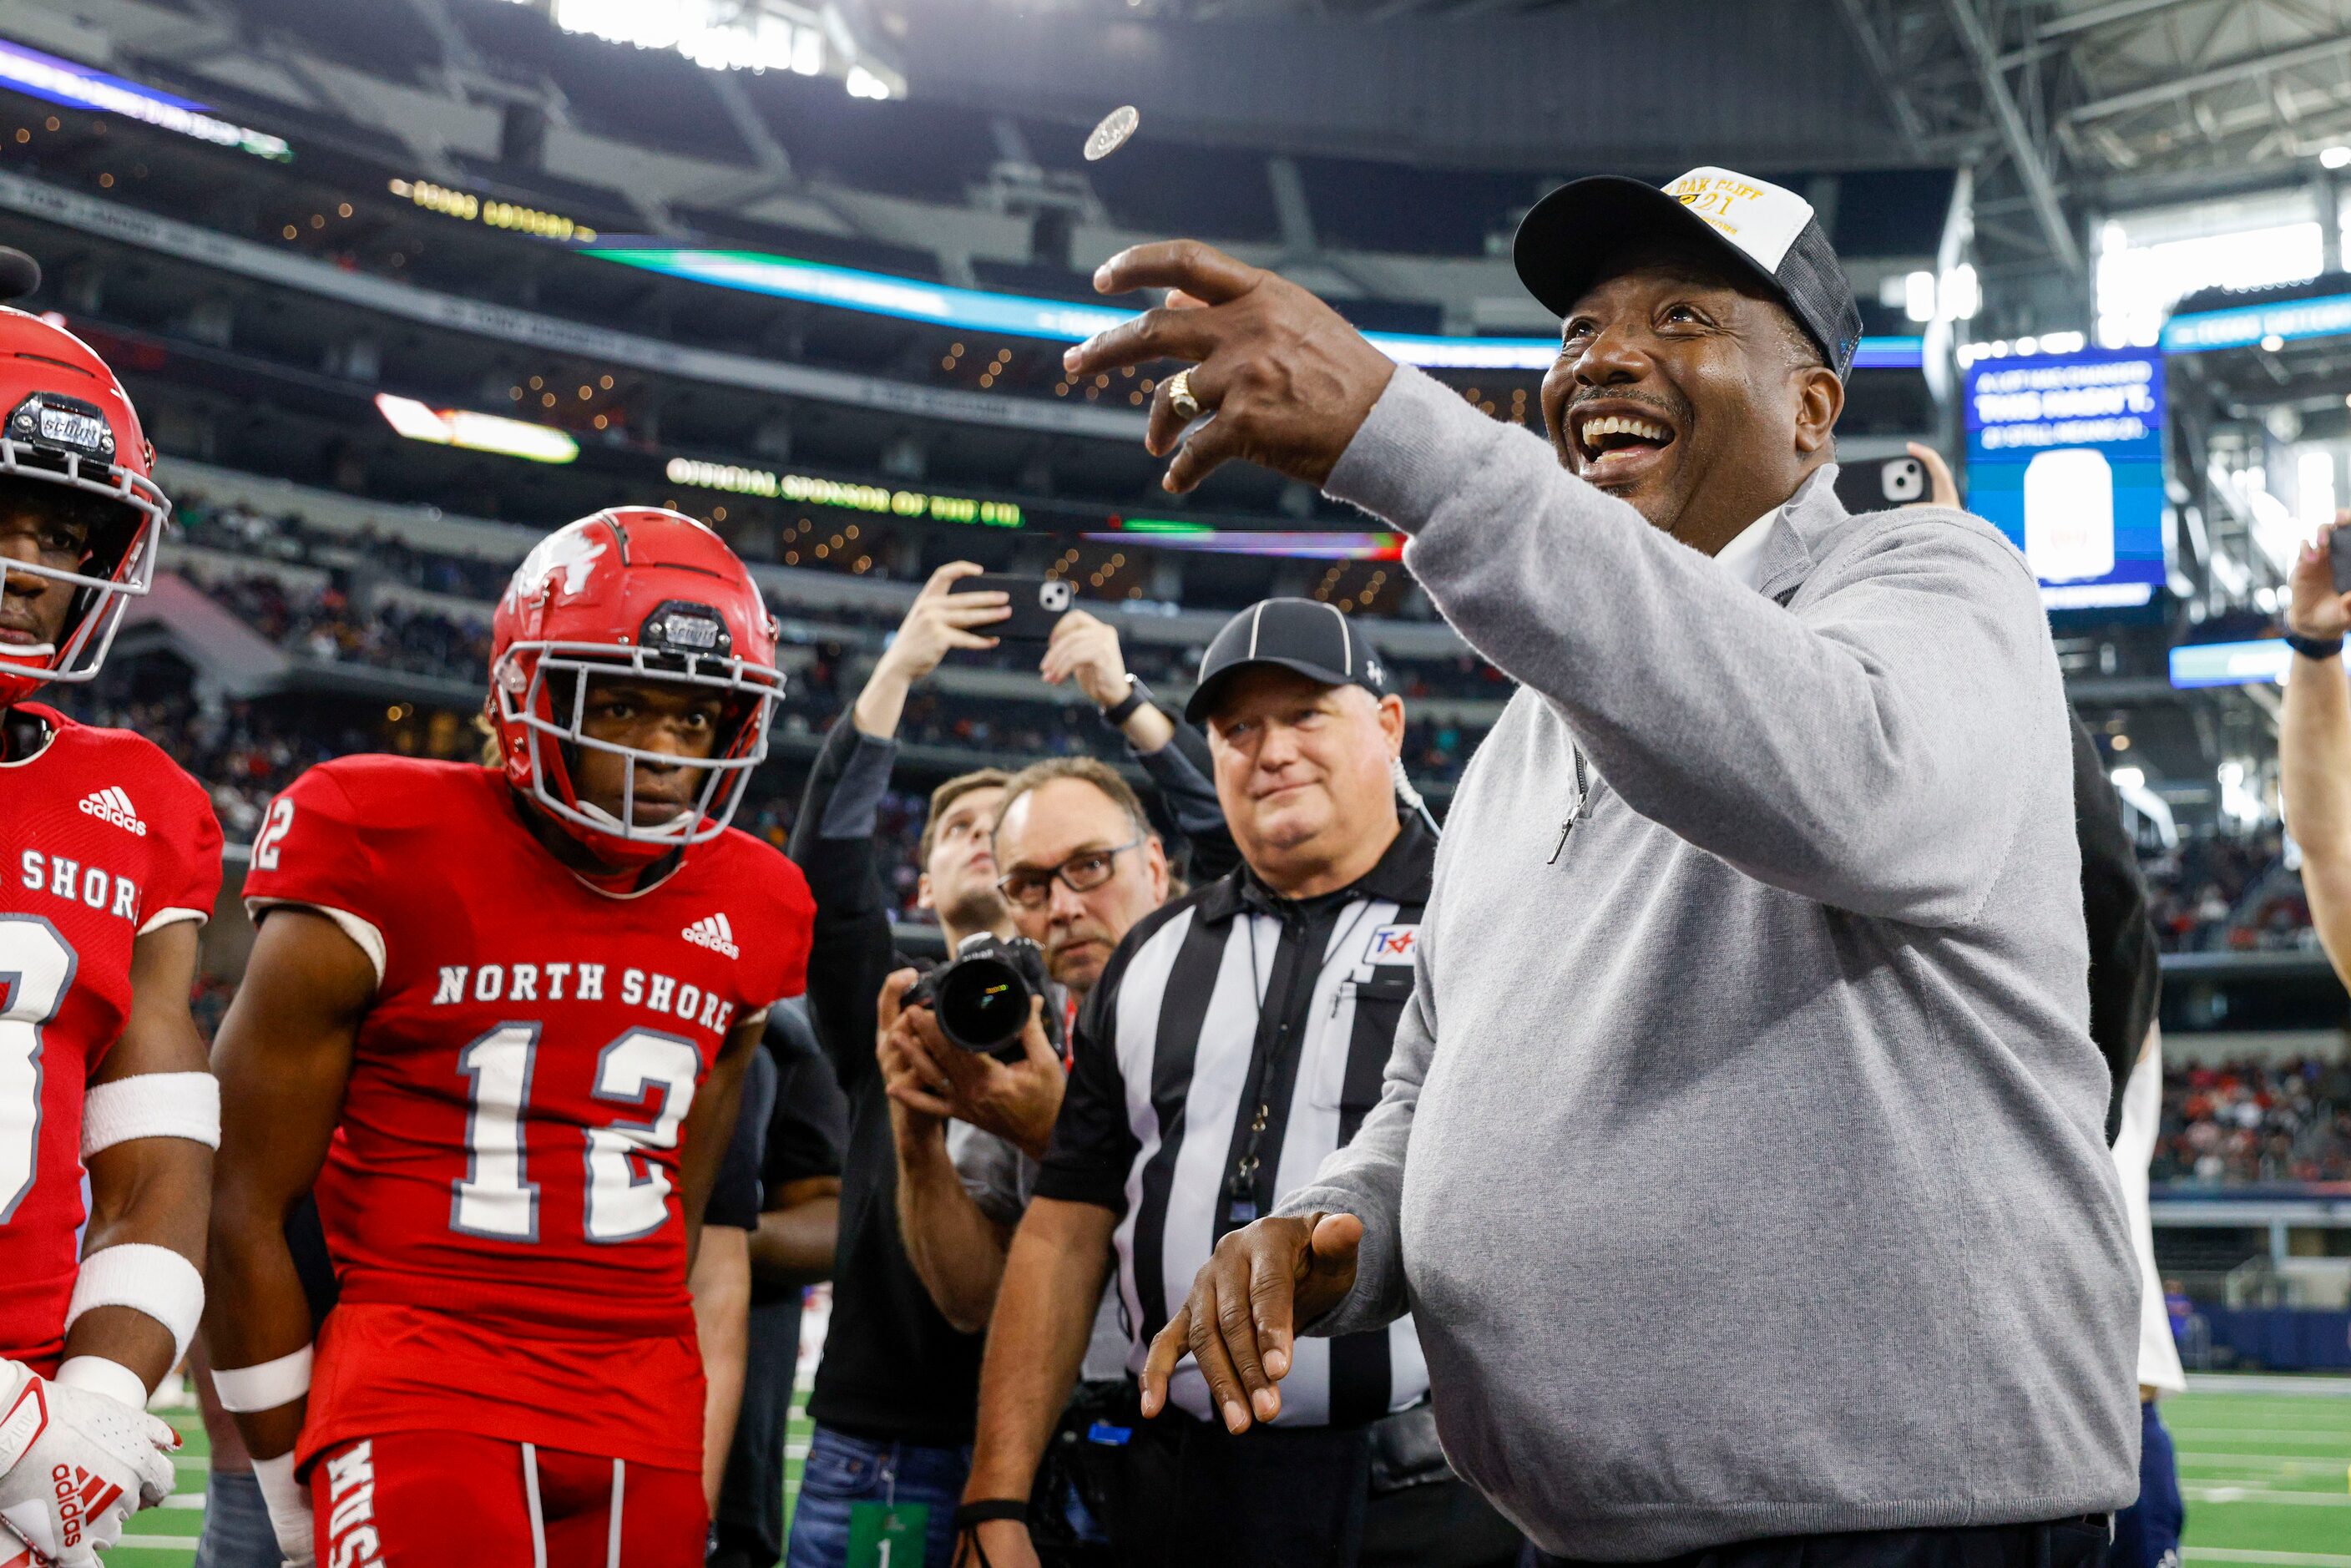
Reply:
x=667, y=718
x=1689, y=393
x=1302, y=772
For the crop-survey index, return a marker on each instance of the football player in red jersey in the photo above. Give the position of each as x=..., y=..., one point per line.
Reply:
x=496, y=1019
x=112, y=862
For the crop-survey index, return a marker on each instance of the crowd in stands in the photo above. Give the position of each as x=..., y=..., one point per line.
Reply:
x=243, y=752
x=2255, y=1122
x=2233, y=892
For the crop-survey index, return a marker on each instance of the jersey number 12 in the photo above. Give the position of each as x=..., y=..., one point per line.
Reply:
x=628, y=1195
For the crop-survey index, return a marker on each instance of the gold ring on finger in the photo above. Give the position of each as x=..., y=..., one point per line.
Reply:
x=1179, y=395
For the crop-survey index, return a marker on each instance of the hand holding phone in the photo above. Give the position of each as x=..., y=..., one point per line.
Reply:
x=1037, y=603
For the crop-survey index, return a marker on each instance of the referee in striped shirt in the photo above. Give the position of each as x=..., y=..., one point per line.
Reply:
x=1239, y=1035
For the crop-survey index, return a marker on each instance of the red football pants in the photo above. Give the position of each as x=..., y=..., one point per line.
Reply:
x=431, y=1500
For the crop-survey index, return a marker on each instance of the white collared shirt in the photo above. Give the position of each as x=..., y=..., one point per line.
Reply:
x=1743, y=558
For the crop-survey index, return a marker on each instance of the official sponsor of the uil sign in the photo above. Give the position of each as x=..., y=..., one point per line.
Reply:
x=2065, y=456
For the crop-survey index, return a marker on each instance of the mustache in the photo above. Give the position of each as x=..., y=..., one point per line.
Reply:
x=1676, y=408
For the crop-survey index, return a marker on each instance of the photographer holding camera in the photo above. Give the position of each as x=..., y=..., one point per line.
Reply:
x=895, y=1390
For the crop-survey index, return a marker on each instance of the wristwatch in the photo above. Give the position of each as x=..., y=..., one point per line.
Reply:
x=2315, y=647
x=1138, y=694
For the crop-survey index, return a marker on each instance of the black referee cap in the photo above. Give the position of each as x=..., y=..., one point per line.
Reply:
x=1765, y=230
x=1302, y=634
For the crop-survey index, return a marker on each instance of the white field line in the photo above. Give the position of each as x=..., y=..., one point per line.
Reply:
x=2257, y=1494
x=2270, y=1559
x=187, y=1543
x=2245, y=1383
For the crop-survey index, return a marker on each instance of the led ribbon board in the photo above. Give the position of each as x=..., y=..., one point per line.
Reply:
x=2264, y=661
x=2243, y=326
x=1295, y=544
x=1019, y=314
x=56, y=80
x=475, y=431
x=808, y=490
x=2065, y=456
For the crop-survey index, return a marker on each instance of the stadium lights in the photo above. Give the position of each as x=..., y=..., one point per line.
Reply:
x=62, y=82
x=475, y=431
x=1067, y=321
x=2334, y=157
x=1918, y=296
x=2023, y=348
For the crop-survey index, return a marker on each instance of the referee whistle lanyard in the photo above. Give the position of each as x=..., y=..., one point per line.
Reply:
x=1288, y=1036
x=1583, y=805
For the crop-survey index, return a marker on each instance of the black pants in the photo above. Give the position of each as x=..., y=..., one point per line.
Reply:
x=2059, y=1543
x=1274, y=1497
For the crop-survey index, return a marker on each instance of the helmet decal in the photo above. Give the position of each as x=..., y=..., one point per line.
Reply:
x=570, y=550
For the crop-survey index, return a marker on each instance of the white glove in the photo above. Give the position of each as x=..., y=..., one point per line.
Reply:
x=75, y=1463
x=290, y=1510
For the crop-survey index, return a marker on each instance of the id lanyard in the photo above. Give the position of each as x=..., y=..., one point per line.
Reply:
x=1241, y=1188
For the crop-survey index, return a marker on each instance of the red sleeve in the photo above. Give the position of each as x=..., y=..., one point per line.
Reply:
x=790, y=930
x=194, y=879
x=311, y=851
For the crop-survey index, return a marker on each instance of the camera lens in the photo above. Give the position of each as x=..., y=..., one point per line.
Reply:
x=983, y=1003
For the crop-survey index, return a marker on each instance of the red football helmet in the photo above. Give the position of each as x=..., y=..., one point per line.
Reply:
x=643, y=590
x=66, y=421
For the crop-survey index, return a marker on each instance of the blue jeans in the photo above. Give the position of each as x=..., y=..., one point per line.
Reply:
x=236, y=1524
x=2147, y=1533
x=843, y=1469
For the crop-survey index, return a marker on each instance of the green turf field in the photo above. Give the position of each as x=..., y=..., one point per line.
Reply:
x=2265, y=1463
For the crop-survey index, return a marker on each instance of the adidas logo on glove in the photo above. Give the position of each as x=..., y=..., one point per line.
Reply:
x=713, y=932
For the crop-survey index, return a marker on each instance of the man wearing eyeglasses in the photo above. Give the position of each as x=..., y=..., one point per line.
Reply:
x=1233, y=1038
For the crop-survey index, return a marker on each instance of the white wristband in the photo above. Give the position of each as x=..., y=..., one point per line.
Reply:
x=146, y=1279
x=103, y=1374
x=245, y=1389
x=151, y=1105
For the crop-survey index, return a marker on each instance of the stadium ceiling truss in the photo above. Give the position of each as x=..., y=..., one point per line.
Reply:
x=2071, y=109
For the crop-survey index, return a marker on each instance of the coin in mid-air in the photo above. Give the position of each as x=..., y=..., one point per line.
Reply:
x=1111, y=134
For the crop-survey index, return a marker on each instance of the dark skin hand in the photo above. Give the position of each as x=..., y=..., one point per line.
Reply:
x=1289, y=380
x=1746, y=407
x=1241, y=1319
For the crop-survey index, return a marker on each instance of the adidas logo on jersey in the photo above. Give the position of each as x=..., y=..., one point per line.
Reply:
x=111, y=805
x=713, y=932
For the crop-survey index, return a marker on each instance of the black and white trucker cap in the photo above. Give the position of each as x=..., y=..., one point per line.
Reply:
x=1767, y=229
x=1302, y=634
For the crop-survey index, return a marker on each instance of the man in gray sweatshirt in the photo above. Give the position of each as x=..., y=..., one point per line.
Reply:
x=1740, y=1157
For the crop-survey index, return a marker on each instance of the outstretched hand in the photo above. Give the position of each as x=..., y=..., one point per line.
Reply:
x=1282, y=379
x=1241, y=1321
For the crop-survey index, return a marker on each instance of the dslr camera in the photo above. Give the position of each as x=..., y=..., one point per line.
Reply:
x=980, y=996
